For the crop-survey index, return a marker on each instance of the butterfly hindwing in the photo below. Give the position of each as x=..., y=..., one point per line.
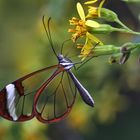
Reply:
x=56, y=100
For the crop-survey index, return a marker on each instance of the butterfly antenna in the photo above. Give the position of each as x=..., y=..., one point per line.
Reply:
x=69, y=50
x=48, y=33
x=63, y=45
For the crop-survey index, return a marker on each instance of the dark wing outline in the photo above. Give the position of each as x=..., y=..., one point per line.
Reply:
x=41, y=89
x=20, y=90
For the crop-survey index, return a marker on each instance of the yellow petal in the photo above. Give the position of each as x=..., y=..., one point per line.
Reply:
x=90, y=2
x=92, y=23
x=80, y=11
x=99, y=8
x=93, y=38
x=83, y=57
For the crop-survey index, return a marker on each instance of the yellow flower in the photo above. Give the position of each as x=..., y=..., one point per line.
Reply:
x=94, y=12
x=82, y=24
x=82, y=28
x=88, y=48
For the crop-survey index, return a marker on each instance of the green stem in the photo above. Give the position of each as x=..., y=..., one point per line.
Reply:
x=106, y=50
x=123, y=25
x=125, y=31
x=112, y=49
x=105, y=28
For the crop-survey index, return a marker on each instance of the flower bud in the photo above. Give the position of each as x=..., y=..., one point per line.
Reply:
x=125, y=55
x=108, y=15
x=113, y=59
x=103, y=29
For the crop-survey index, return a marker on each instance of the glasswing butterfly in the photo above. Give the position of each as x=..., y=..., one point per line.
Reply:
x=49, y=102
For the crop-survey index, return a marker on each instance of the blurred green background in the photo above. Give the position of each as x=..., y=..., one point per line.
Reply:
x=115, y=88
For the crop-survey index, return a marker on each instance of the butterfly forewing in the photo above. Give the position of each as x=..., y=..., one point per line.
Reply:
x=16, y=99
x=56, y=100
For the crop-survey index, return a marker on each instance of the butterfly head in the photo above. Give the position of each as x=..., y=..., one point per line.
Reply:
x=65, y=62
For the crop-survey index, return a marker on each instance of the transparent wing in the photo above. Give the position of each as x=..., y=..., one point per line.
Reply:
x=54, y=99
x=17, y=98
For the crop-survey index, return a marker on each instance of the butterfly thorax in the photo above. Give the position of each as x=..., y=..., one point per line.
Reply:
x=65, y=62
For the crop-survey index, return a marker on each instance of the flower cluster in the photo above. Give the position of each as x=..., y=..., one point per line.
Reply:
x=88, y=25
x=83, y=25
